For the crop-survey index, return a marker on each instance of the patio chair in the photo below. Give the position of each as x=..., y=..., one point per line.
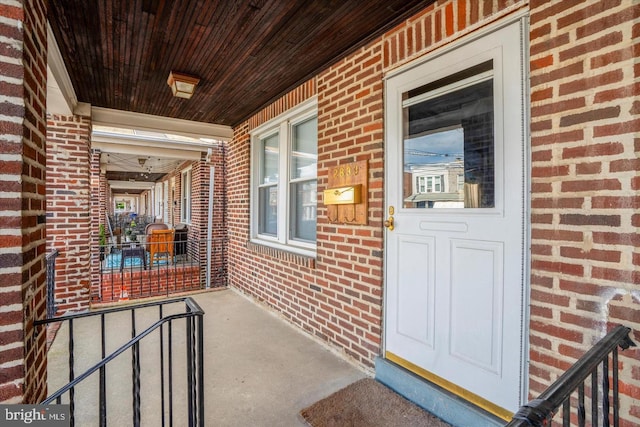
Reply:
x=155, y=226
x=160, y=242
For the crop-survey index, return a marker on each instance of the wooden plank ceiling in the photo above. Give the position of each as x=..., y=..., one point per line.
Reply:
x=247, y=53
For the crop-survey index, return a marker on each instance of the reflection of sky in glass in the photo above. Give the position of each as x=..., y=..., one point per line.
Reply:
x=435, y=148
x=270, y=159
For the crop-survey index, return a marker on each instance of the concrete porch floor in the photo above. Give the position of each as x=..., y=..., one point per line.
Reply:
x=259, y=370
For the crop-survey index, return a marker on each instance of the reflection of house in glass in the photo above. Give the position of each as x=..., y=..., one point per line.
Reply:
x=435, y=185
x=448, y=146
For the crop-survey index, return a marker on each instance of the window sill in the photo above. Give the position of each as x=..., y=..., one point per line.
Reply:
x=284, y=253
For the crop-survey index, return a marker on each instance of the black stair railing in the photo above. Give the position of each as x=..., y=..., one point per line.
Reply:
x=51, y=282
x=164, y=339
x=573, y=384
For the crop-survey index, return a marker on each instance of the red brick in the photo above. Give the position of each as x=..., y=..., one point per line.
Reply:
x=610, y=238
x=593, y=254
x=550, y=298
x=589, y=219
x=609, y=21
x=581, y=14
x=612, y=57
x=540, y=78
x=621, y=276
x=584, y=84
x=610, y=202
x=542, y=234
x=542, y=9
x=588, y=168
x=558, y=137
x=557, y=331
x=549, y=171
x=590, y=185
x=591, y=46
x=558, y=267
x=631, y=126
x=590, y=116
x=594, y=150
x=625, y=165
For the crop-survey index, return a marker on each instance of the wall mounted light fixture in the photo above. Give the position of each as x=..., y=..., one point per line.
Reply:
x=182, y=85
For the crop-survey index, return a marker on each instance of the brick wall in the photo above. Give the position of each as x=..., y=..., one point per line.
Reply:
x=101, y=204
x=69, y=220
x=585, y=149
x=338, y=296
x=200, y=174
x=440, y=24
x=156, y=281
x=22, y=201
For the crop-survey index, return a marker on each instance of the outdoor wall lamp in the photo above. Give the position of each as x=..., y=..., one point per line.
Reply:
x=182, y=85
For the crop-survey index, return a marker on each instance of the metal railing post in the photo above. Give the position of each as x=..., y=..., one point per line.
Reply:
x=537, y=412
x=51, y=283
x=194, y=366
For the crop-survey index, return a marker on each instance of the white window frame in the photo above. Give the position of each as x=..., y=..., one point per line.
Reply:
x=429, y=184
x=157, y=209
x=282, y=125
x=186, y=208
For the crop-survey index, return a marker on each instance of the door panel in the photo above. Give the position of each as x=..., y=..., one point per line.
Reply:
x=476, y=295
x=415, y=302
x=454, y=183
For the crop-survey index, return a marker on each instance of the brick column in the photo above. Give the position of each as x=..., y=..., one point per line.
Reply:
x=23, y=87
x=584, y=184
x=99, y=199
x=69, y=227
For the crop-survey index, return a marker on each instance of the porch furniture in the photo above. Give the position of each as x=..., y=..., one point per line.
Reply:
x=155, y=226
x=137, y=252
x=160, y=242
x=180, y=239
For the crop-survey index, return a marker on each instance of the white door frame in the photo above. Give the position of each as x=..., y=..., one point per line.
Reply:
x=522, y=21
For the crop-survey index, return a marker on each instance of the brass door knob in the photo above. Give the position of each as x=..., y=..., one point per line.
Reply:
x=389, y=223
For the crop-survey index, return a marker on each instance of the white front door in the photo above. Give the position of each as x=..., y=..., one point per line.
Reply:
x=455, y=250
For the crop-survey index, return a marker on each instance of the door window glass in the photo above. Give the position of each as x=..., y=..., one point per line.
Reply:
x=448, y=143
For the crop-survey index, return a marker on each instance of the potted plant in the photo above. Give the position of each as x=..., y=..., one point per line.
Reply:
x=102, y=241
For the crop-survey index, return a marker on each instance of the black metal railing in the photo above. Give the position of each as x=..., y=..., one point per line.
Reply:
x=570, y=389
x=51, y=282
x=136, y=269
x=166, y=382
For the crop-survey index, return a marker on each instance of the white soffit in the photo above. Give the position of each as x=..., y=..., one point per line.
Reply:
x=131, y=185
x=146, y=122
x=145, y=147
x=61, y=97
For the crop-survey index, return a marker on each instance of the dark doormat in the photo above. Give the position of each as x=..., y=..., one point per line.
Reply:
x=368, y=403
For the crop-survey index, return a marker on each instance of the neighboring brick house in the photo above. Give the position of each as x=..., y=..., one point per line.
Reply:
x=564, y=177
x=581, y=177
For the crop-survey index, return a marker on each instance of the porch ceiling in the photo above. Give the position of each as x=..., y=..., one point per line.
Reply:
x=119, y=53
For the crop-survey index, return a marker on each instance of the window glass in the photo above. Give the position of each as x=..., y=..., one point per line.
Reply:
x=185, y=212
x=448, y=146
x=270, y=159
x=304, y=150
x=303, y=210
x=304, y=166
x=268, y=216
x=285, y=167
x=268, y=191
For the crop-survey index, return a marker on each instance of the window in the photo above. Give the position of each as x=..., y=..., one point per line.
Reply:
x=185, y=190
x=158, y=200
x=429, y=184
x=284, y=171
x=449, y=141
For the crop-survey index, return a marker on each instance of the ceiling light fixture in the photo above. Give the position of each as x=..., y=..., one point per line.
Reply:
x=182, y=85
